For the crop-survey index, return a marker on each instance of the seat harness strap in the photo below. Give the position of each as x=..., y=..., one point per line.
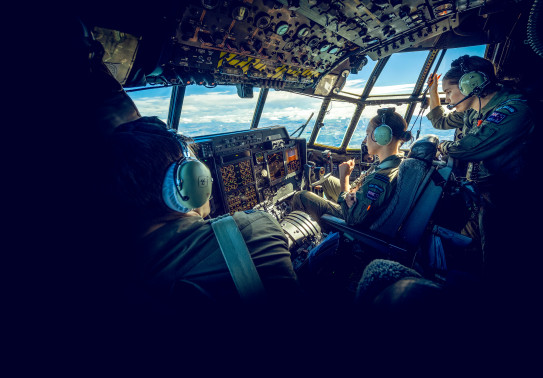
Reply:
x=238, y=260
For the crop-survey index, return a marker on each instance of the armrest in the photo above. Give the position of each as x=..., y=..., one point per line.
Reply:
x=452, y=236
x=365, y=238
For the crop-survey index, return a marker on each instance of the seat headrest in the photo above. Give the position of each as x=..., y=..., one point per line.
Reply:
x=424, y=148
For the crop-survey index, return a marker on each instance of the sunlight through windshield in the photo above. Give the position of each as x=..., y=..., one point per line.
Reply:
x=215, y=110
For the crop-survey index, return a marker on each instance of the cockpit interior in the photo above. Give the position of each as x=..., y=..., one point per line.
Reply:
x=335, y=55
x=310, y=48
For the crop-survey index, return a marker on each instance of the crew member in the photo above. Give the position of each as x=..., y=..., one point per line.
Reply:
x=497, y=124
x=175, y=247
x=361, y=205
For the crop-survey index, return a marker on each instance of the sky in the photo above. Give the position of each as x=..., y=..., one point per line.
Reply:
x=214, y=110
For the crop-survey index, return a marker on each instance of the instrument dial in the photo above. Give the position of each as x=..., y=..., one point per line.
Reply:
x=303, y=31
x=240, y=13
x=282, y=28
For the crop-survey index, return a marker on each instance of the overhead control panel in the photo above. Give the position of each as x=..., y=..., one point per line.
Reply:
x=283, y=44
x=261, y=42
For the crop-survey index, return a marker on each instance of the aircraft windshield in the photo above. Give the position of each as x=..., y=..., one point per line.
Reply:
x=219, y=109
x=400, y=73
x=290, y=110
x=337, y=119
x=153, y=101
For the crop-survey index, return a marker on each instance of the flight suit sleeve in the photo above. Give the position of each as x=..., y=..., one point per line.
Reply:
x=369, y=198
x=499, y=131
x=442, y=121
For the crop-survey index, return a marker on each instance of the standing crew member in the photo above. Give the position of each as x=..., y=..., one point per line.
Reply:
x=497, y=123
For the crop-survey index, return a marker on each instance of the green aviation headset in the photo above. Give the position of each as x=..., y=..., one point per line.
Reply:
x=472, y=82
x=187, y=184
x=382, y=135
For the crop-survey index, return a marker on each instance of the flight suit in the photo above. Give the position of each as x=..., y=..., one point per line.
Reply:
x=186, y=250
x=500, y=146
x=377, y=188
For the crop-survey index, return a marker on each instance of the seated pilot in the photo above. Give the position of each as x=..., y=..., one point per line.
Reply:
x=174, y=245
x=361, y=204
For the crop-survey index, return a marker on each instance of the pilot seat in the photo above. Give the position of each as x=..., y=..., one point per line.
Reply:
x=403, y=232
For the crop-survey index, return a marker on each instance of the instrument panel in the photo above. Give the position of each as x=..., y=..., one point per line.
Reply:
x=260, y=166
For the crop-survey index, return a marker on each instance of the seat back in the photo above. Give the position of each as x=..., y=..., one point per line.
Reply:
x=403, y=224
x=411, y=175
x=414, y=173
x=425, y=204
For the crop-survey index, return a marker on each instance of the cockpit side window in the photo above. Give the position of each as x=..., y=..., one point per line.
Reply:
x=152, y=101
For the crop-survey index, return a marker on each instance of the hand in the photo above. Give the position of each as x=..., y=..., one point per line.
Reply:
x=433, y=82
x=346, y=168
x=350, y=198
x=443, y=147
x=433, y=92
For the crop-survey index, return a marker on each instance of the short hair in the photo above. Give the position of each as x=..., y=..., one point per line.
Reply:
x=468, y=63
x=140, y=153
x=396, y=122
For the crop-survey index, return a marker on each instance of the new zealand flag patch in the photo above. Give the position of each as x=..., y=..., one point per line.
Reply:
x=382, y=177
x=496, y=117
x=372, y=195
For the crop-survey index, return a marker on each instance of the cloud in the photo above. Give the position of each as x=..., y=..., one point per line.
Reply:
x=354, y=86
x=393, y=89
x=220, y=109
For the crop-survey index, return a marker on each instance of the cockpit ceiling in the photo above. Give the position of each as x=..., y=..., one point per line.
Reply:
x=281, y=44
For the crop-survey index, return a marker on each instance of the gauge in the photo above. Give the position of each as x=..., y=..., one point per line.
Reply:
x=288, y=46
x=313, y=42
x=303, y=31
x=210, y=4
x=282, y=28
x=324, y=46
x=263, y=21
x=240, y=13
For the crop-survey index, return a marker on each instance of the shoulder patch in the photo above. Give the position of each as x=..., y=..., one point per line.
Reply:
x=376, y=188
x=250, y=211
x=381, y=177
x=509, y=108
x=496, y=117
x=373, y=195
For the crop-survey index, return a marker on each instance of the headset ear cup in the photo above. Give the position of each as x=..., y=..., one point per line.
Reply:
x=472, y=82
x=187, y=186
x=169, y=191
x=382, y=135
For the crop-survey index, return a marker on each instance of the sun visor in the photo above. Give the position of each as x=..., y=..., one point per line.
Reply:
x=326, y=84
x=120, y=51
